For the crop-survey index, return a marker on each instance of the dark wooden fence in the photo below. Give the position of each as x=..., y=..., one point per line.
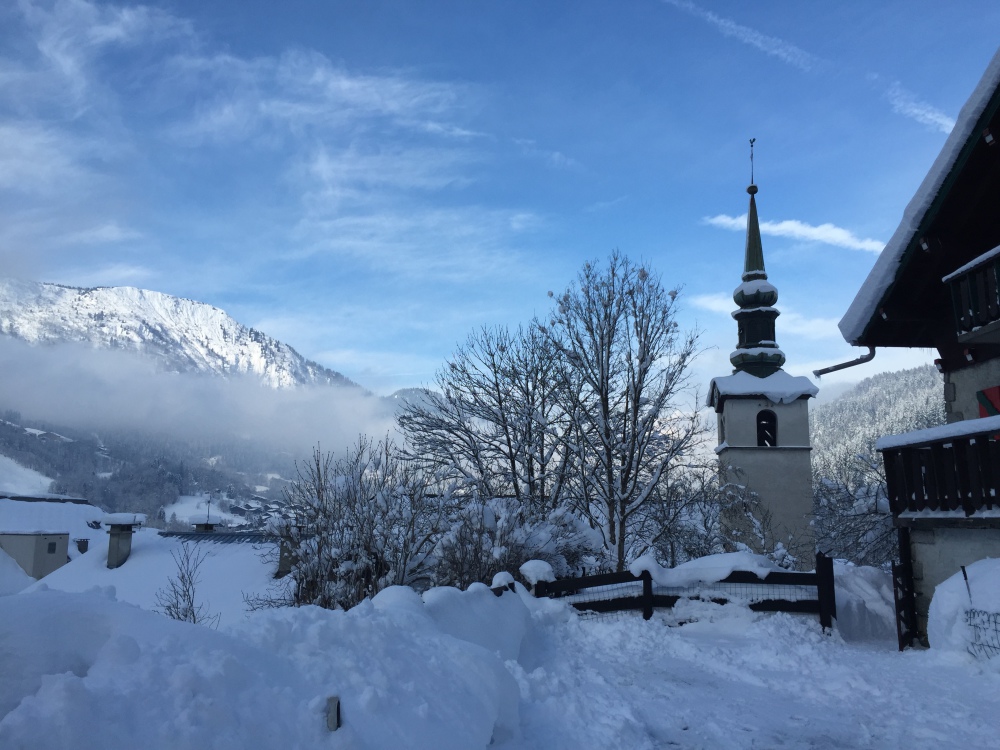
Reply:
x=605, y=592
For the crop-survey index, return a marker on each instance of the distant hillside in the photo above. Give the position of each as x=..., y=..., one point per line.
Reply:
x=181, y=334
x=135, y=470
x=885, y=404
x=850, y=511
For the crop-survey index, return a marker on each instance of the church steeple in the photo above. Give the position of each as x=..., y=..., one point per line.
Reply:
x=757, y=352
x=753, y=264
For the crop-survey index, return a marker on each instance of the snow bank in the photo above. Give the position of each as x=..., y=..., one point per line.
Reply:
x=866, y=609
x=947, y=628
x=81, y=670
x=12, y=577
x=708, y=569
x=84, y=670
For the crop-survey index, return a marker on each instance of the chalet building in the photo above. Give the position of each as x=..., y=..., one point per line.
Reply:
x=937, y=285
x=762, y=411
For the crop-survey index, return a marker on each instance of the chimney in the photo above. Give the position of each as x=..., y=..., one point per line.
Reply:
x=120, y=529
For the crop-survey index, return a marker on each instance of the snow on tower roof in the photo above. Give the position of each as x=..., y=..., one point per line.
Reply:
x=779, y=387
x=886, y=268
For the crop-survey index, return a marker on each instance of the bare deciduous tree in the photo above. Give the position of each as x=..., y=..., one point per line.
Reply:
x=178, y=600
x=624, y=363
x=496, y=426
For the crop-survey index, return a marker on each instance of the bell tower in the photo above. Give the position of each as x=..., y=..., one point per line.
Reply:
x=762, y=411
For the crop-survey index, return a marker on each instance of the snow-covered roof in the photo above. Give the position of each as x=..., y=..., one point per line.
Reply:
x=779, y=387
x=124, y=519
x=50, y=518
x=12, y=577
x=227, y=572
x=886, y=268
x=941, y=432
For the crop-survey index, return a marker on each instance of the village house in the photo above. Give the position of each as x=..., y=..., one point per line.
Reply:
x=936, y=285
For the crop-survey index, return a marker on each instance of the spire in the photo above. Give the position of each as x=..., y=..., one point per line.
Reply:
x=757, y=351
x=753, y=265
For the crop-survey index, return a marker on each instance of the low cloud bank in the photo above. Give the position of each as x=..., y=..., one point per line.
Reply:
x=91, y=389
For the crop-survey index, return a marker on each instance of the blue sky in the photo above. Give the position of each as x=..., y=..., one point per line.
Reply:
x=371, y=181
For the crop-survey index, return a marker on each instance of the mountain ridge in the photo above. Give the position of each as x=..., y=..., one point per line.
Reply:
x=183, y=335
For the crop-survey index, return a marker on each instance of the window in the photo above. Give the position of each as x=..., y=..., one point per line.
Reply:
x=52, y=548
x=767, y=429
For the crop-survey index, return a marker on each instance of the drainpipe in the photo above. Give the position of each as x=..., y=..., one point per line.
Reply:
x=844, y=365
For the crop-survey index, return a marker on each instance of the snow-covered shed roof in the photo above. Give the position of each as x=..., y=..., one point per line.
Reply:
x=43, y=497
x=863, y=324
x=779, y=387
x=226, y=573
x=43, y=517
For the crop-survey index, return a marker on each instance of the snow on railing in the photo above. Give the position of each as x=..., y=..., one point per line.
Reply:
x=954, y=467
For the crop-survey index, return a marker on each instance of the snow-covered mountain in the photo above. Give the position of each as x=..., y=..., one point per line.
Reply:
x=183, y=335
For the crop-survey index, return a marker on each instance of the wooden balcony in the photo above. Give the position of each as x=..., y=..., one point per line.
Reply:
x=952, y=470
x=975, y=296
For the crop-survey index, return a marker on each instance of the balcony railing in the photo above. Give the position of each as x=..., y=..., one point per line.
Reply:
x=975, y=293
x=951, y=468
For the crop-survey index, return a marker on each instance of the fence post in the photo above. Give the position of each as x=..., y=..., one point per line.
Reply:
x=825, y=592
x=902, y=587
x=647, y=595
x=538, y=590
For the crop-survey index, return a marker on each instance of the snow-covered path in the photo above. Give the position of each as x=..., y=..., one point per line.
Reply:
x=749, y=681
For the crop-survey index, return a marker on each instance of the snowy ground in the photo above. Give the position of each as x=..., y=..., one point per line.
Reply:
x=19, y=480
x=461, y=669
x=226, y=573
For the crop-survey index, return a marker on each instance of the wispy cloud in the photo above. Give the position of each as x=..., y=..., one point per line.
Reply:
x=553, y=158
x=449, y=244
x=902, y=101
x=365, y=154
x=109, y=232
x=115, y=274
x=828, y=234
x=605, y=205
x=71, y=35
x=719, y=302
x=38, y=160
x=770, y=45
x=305, y=94
x=907, y=104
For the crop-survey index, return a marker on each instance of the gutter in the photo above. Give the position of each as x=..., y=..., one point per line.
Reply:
x=844, y=365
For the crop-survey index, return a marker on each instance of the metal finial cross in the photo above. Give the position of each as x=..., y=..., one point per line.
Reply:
x=752, y=141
